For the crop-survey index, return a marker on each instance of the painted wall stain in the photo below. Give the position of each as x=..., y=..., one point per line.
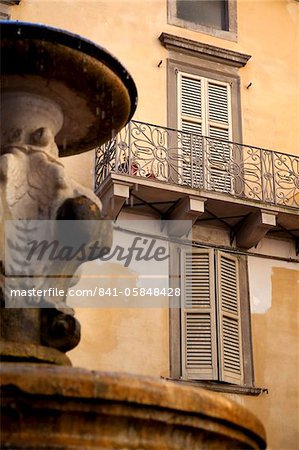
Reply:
x=276, y=362
x=260, y=272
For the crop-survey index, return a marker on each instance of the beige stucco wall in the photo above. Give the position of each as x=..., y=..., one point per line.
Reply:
x=129, y=338
x=137, y=340
x=123, y=340
x=275, y=349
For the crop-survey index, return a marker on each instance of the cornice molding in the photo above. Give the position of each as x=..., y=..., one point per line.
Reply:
x=205, y=51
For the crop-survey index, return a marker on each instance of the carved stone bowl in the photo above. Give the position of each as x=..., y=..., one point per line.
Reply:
x=51, y=407
x=94, y=92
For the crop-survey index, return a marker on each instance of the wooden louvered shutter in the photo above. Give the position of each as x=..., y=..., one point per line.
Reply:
x=229, y=322
x=199, y=351
x=218, y=105
x=191, y=116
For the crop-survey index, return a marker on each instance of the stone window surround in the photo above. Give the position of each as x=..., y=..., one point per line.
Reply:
x=205, y=51
x=230, y=34
x=247, y=387
x=207, y=61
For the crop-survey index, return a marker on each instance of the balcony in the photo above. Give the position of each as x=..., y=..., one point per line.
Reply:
x=161, y=167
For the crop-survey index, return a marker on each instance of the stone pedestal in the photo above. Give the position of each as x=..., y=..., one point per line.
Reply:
x=50, y=407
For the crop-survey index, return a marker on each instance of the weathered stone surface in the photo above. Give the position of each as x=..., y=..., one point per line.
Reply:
x=33, y=182
x=17, y=351
x=34, y=186
x=96, y=100
x=44, y=114
x=50, y=407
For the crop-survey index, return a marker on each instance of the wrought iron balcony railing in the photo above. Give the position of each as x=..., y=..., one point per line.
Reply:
x=182, y=158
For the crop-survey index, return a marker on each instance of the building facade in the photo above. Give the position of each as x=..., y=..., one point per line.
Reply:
x=214, y=145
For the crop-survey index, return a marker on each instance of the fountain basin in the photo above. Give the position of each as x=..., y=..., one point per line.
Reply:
x=51, y=407
x=95, y=93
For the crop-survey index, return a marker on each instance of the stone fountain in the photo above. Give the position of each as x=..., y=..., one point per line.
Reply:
x=62, y=95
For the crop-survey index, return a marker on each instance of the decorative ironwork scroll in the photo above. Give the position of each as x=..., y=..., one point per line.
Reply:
x=183, y=158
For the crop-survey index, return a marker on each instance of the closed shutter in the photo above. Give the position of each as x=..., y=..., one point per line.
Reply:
x=229, y=323
x=190, y=103
x=218, y=106
x=199, y=351
x=204, y=109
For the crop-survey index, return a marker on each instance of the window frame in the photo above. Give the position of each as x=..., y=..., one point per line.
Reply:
x=231, y=34
x=210, y=71
x=175, y=325
x=206, y=123
x=209, y=62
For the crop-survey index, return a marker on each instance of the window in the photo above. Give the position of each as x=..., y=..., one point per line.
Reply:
x=203, y=98
x=215, y=17
x=211, y=325
x=204, y=108
x=209, y=13
x=214, y=322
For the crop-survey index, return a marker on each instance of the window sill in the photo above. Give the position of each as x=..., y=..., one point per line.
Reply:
x=228, y=35
x=221, y=387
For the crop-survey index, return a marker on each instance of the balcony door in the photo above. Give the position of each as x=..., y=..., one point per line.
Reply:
x=204, y=116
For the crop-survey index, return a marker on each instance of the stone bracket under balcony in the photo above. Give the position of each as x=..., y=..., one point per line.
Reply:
x=254, y=228
x=247, y=222
x=251, y=192
x=113, y=197
x=184, y=216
